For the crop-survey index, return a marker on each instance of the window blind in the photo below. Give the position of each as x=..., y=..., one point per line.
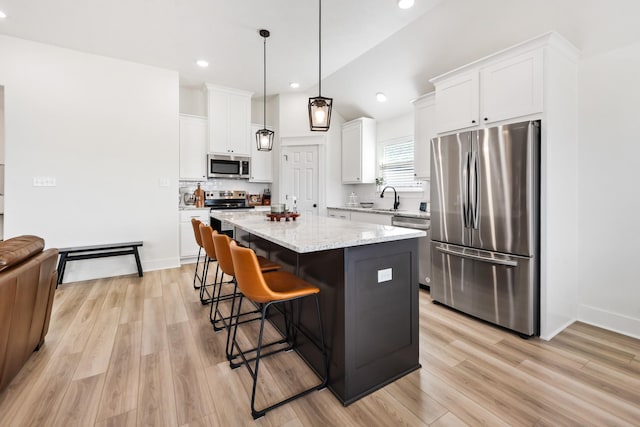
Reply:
x=397, y=165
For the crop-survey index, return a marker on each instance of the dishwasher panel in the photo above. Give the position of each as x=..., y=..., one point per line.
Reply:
x=424, y=244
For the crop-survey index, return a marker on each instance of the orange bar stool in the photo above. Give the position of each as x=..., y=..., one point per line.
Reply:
x=225, y=262
x=269, y=289
x=195, y=223
x=207, y=291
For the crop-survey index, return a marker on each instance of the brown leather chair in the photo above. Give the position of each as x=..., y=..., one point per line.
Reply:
x=195, y=223
x=206, y=236
x=223, y=253
x=28, y=279
x=268, y=289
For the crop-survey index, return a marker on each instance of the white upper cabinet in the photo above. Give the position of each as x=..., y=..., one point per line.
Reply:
x=457, y=102
x=229, y=113
x=424, y=130
x=512, y=87
x=193, y=147
x=505, y=86
x=261, y=161
x=359, y=151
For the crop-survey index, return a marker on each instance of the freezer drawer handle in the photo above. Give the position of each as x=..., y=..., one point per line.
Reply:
x=506, y=262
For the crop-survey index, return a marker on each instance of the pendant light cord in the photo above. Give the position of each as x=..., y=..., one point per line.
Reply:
x=319, y=48
x=264, y=111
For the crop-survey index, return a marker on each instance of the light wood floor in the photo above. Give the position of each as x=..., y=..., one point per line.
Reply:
x=140, y=351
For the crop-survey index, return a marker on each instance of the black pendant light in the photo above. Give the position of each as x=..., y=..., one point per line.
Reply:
x=264, y=137
x=320, y=107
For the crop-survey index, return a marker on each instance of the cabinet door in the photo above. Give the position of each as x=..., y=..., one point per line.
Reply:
x=218, y=119
x=338, y=213
x=193, y=147
x=188, y=245
x=261, y=161
x=512, y=88
x=457, y=102
x=424, y=130
x=239, y=125
x=371, y=218
x=351, y=153
x=229, y=120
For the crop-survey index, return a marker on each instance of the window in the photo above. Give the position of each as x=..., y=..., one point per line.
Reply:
x=396, y=165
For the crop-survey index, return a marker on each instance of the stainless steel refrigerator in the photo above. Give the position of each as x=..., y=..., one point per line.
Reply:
x=485, y=213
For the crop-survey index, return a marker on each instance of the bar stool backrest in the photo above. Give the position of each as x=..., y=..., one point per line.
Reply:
x=223, y=253
x=206, y=232
x=195, y=223
x=249, y=275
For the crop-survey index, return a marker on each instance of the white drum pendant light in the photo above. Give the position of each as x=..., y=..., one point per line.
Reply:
x=264, y=137
x=320, y=107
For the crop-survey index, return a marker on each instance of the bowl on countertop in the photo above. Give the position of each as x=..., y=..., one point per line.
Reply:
x=277, y=208
x=366, y=204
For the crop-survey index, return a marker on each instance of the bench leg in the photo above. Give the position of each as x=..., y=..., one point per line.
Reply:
x=61, y=266
x=135, y=253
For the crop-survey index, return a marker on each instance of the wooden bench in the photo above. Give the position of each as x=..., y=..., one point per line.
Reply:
x=97, y=251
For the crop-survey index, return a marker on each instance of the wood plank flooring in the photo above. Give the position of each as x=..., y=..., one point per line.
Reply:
x=130, y=351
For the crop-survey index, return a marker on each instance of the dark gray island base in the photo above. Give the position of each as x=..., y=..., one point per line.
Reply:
x=370, y=325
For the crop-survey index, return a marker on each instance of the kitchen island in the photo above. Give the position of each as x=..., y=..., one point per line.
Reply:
x=367, y=275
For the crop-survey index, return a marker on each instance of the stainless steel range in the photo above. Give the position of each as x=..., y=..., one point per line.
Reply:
x=225, y=200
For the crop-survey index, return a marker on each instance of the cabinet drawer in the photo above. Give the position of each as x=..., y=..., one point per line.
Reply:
x=202, y=215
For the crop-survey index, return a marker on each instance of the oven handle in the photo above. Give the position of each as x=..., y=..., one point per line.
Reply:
x=505, y=262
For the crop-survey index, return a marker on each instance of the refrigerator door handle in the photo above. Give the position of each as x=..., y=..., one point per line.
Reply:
x=465, y=193
x=505, y=262
x=474, y=197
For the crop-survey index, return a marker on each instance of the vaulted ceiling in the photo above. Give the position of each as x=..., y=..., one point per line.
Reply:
x=368, y=46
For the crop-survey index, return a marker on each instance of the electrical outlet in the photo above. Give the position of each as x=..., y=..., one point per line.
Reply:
x=385, y=275
x=44, y=181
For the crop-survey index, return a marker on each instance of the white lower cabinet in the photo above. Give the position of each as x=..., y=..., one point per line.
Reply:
x=339, y=213
x=188, y=246
x=371, y=218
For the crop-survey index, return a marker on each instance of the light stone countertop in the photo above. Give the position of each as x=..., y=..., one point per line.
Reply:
x=401, y=212
x=315, y=233
x=193, y=208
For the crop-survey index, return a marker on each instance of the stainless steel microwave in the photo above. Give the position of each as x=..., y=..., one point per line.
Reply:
x=221, y=166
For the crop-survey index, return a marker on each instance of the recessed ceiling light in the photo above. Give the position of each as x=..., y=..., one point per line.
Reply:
x=2, y=15
x=381, y=97
x=405, y=4
x=294, y=85
x=202, y=63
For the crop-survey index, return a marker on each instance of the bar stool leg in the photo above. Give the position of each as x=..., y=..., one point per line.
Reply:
x=203, y=287
x=195, y=273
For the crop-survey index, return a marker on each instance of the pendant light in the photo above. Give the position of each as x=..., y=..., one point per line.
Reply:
x=320, y=107
x=264, y=137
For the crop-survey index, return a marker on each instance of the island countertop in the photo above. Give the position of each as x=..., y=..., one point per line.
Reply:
x=315, y=233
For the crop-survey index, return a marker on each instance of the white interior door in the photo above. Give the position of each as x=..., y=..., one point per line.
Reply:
x=300, y=167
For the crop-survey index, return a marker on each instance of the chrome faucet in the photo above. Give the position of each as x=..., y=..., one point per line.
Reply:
x=396, y=198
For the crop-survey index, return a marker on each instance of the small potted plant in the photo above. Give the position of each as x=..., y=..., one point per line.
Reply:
x=379, y=182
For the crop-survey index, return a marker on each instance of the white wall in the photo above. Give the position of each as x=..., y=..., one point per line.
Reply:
x=293, y=125
x=609, y=160
x=107, y=130
x=193, y=100
x=394, y=128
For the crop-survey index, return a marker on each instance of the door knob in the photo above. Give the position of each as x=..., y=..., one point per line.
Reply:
x=315, y=206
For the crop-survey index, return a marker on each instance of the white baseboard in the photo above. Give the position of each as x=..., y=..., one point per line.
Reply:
x=612, y=321
x=549, y=335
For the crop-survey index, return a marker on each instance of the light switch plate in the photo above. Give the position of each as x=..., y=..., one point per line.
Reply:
x=385, y=275
x=163, y=182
